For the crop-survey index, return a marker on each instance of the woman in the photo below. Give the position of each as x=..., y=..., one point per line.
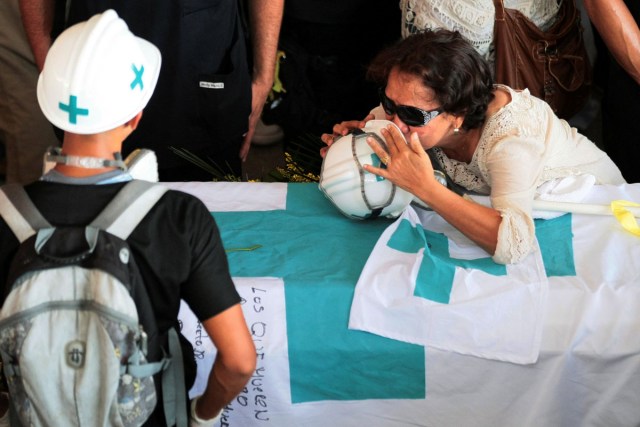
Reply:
x=489, y=139
x=474, y=19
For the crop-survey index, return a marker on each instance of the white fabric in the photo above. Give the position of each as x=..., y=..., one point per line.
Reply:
x=474, y=19
x=587, y=373
x=568, y=189
x=234, y=196
x=491, y=316
x=266, y=318
x=522, y=146
x=564, y=194
x=571, y=189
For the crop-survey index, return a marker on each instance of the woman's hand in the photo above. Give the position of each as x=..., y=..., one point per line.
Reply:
x=407, y=164
x=340, y=130
x=409, y=167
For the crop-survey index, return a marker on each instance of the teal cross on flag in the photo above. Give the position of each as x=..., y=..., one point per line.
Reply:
x=435, y=278
x=320, y=254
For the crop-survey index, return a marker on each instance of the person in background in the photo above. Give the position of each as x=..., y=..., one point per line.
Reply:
x=617, y=24
x=26, y=133
x=489, y=139
x=474, y=19
x=96, y=80
x=209, y=96
x=331, y=75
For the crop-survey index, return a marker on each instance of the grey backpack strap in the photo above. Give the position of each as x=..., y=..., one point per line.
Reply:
x=128, y=207
x=120, y=218
x=174, y=392
x=19, y=212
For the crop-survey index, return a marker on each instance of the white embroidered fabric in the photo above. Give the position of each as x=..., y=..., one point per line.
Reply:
x=527, y=134
x=472, y=18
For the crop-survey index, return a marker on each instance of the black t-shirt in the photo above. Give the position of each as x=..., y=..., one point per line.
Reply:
x=177, y=246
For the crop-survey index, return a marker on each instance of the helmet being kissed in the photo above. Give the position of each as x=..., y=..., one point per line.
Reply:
x=357, y=193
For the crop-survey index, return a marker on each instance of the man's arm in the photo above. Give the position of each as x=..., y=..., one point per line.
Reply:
x=620, y=32
x=265, y=18
x=37, y=19
x=235, y=361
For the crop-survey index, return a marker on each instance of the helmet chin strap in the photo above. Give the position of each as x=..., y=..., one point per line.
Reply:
x=55, y=155
x=375, y=210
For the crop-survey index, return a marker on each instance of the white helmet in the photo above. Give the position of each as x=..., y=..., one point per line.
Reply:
x=97, y=75
x=355, y=192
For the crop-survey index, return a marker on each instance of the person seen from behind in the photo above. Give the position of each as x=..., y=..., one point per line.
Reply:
x=96, y=80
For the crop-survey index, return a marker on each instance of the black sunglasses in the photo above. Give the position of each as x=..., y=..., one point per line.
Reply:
x=411, y=116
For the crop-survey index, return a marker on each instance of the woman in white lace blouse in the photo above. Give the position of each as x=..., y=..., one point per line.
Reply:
x=489, y=139
x=474, y=19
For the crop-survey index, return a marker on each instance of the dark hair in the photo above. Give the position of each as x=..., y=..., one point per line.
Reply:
x=448, y=64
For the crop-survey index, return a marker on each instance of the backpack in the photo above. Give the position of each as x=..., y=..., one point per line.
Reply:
x=78, y=337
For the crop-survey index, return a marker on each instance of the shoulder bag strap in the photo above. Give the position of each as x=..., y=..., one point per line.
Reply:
x=499, y=6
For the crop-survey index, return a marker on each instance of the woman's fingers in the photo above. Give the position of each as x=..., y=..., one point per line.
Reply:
x=377, y=171
x=394, y=138
x=378, y=149
x=415, y=145
x=342, y=129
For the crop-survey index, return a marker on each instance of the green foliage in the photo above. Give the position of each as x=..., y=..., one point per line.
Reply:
x=301, y=156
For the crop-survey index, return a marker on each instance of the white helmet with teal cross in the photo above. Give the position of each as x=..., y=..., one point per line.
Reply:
x=356, y=193
x=97, y=76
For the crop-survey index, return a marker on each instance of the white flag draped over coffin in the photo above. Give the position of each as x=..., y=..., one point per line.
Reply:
x=426, y=283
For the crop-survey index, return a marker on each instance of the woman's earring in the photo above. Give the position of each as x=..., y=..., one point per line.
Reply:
x=456, y=131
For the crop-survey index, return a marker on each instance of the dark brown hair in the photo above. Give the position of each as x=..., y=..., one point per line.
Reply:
x=446, y=63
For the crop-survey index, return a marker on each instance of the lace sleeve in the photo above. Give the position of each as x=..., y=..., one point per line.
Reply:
x=515, y=236
x=513, y=166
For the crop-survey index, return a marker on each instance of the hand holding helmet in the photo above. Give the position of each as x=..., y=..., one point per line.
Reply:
x=406, y=164
x=357, y=193
x=372, y=172
x=341, y=129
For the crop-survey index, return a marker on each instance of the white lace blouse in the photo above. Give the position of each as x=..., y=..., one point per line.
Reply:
x=522, y=146
x=472, y=18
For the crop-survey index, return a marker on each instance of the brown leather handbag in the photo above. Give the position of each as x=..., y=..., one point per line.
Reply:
x=552, y=64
